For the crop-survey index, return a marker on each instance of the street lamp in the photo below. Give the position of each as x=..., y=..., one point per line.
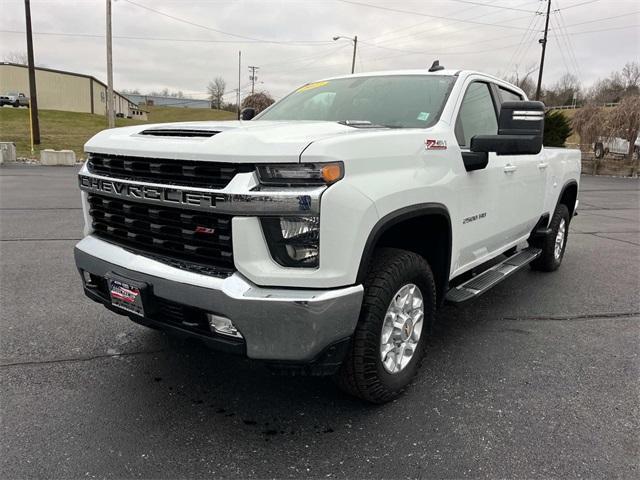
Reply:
x=355, y=44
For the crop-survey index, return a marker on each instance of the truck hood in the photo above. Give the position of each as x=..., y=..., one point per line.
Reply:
x=226, y=141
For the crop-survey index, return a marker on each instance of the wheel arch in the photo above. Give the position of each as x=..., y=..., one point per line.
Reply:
x=433, y=239
x=568, y=196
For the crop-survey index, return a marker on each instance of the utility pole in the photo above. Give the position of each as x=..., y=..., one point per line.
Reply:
x=355, y=46
x=33, y=95
x=239, y=75
x=111, y=114
x=543, y=41
x=253, y=77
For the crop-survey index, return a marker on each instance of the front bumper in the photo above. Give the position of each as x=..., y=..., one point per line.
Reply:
x=278, y=324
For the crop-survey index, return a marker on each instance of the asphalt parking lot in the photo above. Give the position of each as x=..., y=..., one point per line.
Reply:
x=538, y=378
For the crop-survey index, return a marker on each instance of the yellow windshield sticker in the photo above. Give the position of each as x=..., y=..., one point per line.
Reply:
x=311, y=86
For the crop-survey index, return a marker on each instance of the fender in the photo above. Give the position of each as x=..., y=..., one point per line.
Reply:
x=564, y=189
x=396, y=217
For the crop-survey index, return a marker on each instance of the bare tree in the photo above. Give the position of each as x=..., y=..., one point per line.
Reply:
x=563, y=91
x=216, y=92
x=590, y=123
x=258, y=101
x=16, y=57
x=624, y=122
x=524, y=81
x=617, y=85
x=631, y=76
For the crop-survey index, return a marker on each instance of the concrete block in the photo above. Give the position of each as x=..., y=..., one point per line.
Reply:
x=57, y=157
x=7, y=152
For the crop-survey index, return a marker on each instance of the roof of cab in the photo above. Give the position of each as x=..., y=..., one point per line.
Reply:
x=423, y=71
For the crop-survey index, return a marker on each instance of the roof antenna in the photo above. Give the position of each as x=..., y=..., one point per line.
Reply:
x=436, y=67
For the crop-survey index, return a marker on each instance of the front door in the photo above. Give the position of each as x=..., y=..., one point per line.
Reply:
x=479, y=226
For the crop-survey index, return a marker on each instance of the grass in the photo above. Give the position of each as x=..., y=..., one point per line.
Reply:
x=70, y=130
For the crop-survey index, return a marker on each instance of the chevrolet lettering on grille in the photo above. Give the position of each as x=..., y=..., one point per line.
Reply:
x=166, y=195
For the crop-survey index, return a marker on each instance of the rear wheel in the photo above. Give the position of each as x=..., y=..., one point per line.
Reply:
x=554, y=244
x=397, y=314
x=598, y=151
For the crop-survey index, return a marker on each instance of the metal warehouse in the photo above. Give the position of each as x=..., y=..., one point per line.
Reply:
x=67, y=91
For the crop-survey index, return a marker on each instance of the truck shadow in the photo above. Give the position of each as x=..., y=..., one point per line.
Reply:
x=239, y=393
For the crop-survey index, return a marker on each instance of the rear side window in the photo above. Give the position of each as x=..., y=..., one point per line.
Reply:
x=477, y=114
x=509, y=96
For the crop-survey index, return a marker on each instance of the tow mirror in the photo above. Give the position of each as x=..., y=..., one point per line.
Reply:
x=247, y=113
x=520, y=131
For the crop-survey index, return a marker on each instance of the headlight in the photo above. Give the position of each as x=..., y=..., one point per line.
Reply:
x=300, y=173
x=293, y=241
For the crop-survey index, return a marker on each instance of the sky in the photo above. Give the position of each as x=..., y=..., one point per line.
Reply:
x=184, y=44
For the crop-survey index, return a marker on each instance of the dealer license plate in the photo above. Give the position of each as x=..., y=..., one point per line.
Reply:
x=126, y=296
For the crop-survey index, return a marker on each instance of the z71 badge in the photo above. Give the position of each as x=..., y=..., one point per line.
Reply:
x=435, y=144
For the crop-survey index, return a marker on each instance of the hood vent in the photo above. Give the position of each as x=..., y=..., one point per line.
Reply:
x=179, y=132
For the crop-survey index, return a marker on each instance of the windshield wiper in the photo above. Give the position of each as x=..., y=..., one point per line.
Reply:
x=360, y=124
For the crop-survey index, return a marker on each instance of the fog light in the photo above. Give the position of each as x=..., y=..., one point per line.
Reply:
x=223, y=326
x=88, y=281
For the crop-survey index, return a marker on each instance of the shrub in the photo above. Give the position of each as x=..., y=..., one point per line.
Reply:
x=557, y=128
x=258, y=101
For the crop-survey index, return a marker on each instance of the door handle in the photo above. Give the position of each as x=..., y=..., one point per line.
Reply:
x=543, y=165
x=508, y=168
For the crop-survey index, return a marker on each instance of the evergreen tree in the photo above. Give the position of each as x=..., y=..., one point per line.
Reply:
x=557, y=128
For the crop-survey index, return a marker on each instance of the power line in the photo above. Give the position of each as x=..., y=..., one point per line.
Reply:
x=480, y=4
x=559, y=10
x=572, y=34
x=580, y=4
x=311, y=62
x=494, y=49
x=524, y=41
x=194, y=24
x=561, y=49
x=421, y=14
x=160, y=39
x=430, y=31
x=570, y=49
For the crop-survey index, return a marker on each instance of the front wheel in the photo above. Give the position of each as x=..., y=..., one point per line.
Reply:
x=397, y=313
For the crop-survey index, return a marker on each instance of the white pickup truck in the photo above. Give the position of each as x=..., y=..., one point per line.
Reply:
x=320, y=236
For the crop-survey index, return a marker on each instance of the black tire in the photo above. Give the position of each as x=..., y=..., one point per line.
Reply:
x=598, y=151
x=363, y=374
x=16, y=104
x=548, y=261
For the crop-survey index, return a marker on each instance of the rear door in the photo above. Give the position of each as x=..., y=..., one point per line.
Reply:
x=524, y=182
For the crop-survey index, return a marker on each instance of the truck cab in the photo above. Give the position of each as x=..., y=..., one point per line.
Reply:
x=321, y=235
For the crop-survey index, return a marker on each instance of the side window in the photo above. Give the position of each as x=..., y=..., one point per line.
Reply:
x=477, y=114
x=509, y=96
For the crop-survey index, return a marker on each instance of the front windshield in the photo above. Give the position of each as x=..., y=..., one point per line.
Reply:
x=401, y=101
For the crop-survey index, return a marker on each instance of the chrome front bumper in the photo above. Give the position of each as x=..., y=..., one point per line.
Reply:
x=279, y=324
